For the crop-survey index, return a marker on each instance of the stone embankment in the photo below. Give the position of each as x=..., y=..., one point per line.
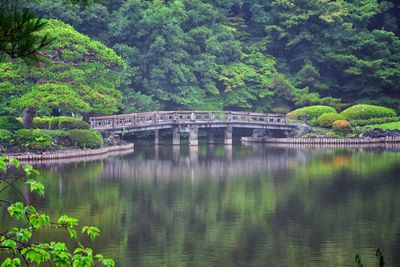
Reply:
x=332, y=141
x=71, y=153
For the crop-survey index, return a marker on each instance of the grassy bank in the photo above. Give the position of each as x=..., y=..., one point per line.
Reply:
x=386, y=126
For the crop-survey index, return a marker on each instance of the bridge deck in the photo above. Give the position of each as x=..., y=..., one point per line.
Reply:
x=203, y=119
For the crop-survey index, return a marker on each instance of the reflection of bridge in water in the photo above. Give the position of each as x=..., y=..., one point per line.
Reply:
x=190, y=122
x=262, y=162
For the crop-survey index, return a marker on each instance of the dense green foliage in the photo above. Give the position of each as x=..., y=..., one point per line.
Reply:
x=10, y=123
x=74, y=75
x=341, y=127
x=365, y=112
x=326, y=119
x=312, y=112
x=86, y=138
x=6, y=136
x=33, y=139
x=249, y=55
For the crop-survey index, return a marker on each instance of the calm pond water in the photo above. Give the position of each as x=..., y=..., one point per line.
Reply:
x=246, y=205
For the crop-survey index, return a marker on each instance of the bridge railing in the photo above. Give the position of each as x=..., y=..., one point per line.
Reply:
x=165, y=117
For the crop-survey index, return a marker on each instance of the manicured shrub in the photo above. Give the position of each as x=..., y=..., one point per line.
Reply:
x=33, y=139
x=69, y=123
x=365, y=112
x=6, y=136
x=326, y=120
x=41, y=123
x=86, y=138
x=10, y=123
x=313, y=112
x=54, y=123
x=342, y=127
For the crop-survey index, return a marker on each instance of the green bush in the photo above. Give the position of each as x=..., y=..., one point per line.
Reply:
x=374, y=121
x=313, y=112
x=41, y=123
x=54, y=123
x=68, y=123
x=10, y=123
x=86, y=138
x=326, y=120
x=6, y=136
x=342, y=127
x=33, y=139
x=365, y=112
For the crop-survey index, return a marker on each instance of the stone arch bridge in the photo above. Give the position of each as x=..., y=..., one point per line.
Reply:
x=191, y=121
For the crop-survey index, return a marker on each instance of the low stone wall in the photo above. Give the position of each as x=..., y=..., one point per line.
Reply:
x=333, y=141
x=73, y=153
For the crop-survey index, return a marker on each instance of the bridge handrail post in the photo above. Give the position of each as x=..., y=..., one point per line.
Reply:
x=193, y=116
x=229, y=116
x=211, y=116
x=175, y=116
x=156, y=118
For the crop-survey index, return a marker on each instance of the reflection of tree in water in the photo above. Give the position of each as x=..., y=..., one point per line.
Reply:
x=261, y=206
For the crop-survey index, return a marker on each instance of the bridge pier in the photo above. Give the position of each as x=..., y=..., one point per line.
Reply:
x=194, y=135
x=176, y=153
x=210, y=137
x=176, y=136
x=157, y=137
x=228, y=152
x=228, y=135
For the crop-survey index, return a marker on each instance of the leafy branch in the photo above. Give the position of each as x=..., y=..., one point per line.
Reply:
x=16, y=243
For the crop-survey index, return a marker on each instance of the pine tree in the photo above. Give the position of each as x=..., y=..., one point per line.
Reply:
x=18, y=28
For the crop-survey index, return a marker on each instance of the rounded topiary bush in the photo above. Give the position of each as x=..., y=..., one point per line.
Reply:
x=342, y=127
x=365, y=112
x=41, y=123
x=326, y=120
x=10, y=123
x=69, y=123
x=86, y=138
x=54, y=123
x=6, y=136
x=313, y=112
x=33, y=139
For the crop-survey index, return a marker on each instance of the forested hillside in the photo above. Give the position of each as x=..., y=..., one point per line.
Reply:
x=245, y=55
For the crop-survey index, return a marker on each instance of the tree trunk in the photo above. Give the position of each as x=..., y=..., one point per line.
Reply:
x=27, y=119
